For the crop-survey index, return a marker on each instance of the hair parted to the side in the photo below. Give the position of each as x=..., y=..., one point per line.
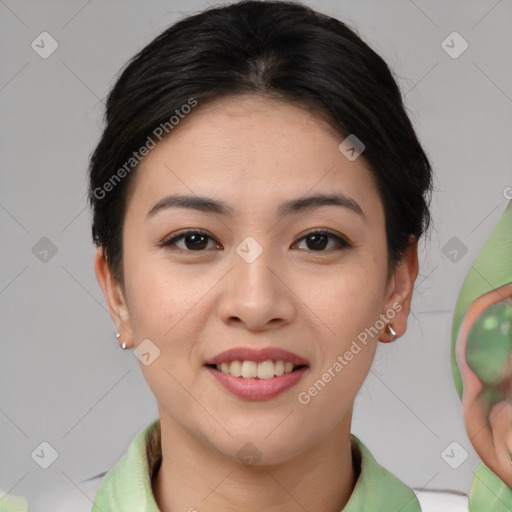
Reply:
x=276, y=49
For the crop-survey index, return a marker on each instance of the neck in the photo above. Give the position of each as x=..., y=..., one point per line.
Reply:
x=193, y=476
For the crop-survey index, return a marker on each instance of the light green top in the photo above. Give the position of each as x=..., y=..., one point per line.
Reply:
x=127, y=487
x=11, y=503
x=489, y=492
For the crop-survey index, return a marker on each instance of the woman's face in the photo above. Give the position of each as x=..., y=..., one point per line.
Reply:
x=256, y=278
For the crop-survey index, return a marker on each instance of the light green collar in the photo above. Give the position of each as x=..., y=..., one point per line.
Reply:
x=128, y=485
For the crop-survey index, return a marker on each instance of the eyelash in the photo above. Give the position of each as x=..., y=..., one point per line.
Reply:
x=342, y=243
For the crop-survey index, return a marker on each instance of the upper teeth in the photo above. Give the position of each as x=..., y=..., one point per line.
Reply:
x=251, y=369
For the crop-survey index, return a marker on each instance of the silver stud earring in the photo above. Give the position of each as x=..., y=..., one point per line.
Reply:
x=123, y=346
x=392, y=332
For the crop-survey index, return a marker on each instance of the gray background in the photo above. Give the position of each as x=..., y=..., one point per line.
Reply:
x=63, y=378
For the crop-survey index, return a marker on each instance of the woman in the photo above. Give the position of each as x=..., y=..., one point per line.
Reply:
x=258, y=195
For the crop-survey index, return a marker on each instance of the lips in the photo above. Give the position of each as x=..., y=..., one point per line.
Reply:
x=257, y=355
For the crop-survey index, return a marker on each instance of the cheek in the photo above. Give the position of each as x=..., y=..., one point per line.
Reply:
x=330, y=392
x=348, y=298
x=159, y=295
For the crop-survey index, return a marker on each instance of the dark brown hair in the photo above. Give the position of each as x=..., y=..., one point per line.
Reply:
x=278, y=49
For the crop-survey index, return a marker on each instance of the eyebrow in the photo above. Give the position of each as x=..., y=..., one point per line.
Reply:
x=302, y=204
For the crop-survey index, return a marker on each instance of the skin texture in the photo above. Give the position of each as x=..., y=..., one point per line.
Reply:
x=488, y=425
x=254, y=153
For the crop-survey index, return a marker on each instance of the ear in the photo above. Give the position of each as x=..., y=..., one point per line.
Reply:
x=399, y=291
x=115, y=297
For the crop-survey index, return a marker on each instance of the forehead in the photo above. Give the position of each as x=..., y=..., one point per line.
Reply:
x=252, y=150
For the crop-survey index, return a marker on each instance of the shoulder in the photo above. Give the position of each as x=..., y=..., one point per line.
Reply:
x=376, y=488
x=128, y=483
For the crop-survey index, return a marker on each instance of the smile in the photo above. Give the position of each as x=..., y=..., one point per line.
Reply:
x=251, y=369
x=249, y=385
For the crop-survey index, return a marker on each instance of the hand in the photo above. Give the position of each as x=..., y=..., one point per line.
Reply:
x=486, y=400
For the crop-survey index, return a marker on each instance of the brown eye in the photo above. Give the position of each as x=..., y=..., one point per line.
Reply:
x=193, y=240
x=197, y=241
x=317, y=241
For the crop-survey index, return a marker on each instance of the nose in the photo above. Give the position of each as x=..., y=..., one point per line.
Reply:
x=257, y=295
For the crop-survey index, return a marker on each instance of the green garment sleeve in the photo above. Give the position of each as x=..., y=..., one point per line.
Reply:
x=488, y=492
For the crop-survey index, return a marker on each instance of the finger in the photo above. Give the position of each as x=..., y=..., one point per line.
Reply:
x=471, y=384
x=478, y=428
x=500, y=423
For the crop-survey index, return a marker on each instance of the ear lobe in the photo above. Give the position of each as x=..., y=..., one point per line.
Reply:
x=114, y=295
